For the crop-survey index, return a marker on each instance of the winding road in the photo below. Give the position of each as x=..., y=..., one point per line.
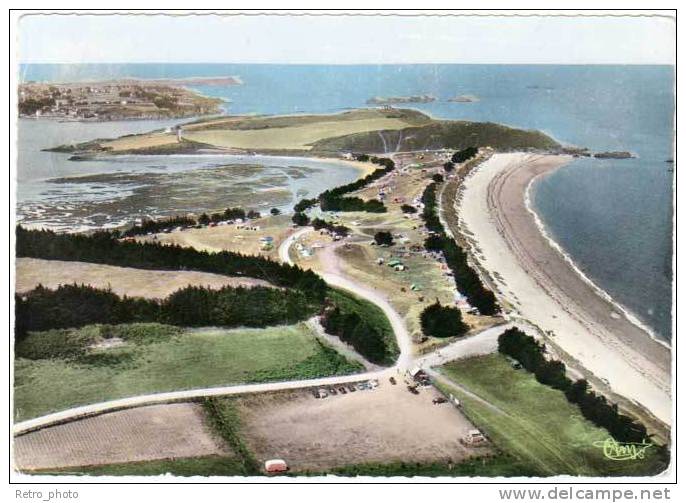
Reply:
x=334, y=277
x=482, y=343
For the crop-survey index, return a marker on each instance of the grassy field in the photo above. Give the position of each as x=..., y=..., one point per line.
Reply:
x=492, y=466
x=151, y=358
x=359, y=259
x=500, y=466
x=140, y=141
x=534, y=423
x=181, y=467
x=228, y=237
x=259, y=122
x=440, y=134
x=131, y=281
x=296, y=137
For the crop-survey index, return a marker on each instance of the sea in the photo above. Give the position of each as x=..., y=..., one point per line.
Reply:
x=612, y=217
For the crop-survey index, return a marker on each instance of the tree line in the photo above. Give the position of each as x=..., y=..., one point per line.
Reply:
x=73, y=306
x=103, y=248
x=594, y=406
x=467, y=280
x=333, y=200
x=150, y=225
x=351, y=328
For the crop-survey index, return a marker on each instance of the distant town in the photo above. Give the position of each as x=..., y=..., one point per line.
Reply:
x=116, y=100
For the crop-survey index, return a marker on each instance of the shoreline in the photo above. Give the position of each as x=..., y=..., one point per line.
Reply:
x=544, y=287
x=362, y=169
x=625, y=311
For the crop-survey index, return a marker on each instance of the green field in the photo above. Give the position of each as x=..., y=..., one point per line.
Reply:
x=495, y=466
x=157, y=358
x=499, y=466
x=181, y=467
x=439, y=134
x=534, y=423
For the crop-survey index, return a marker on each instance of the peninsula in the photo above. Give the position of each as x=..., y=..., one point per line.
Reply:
x=118, y=99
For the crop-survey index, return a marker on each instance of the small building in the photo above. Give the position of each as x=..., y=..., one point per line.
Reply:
x=275, y=466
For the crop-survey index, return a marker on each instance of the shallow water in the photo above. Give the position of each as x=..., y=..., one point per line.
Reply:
x=68, y=195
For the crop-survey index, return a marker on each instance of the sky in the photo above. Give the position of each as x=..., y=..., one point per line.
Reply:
x=345, y=39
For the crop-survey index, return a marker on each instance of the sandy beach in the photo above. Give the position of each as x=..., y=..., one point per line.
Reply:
x=543, y=287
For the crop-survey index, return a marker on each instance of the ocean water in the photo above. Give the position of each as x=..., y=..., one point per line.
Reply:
x=613, y=217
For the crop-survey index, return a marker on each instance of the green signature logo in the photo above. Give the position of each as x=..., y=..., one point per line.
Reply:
x=623, y=451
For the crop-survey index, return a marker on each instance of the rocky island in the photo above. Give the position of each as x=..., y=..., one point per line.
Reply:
x=394, y=100
x=464, y=98
x=614, y=155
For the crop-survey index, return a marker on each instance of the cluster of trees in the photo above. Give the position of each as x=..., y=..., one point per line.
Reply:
x=163, y=224
x=305, y=204
x=333, y=200
x=595, y=407
x=150, y=225
x=449, y=166
x=467, y=280
x=464, y=154
x=328, y=202
x=104, y=248
x=351, y=328
x=442, y=321
x=318, y=224
x=300, y=219
x=71, y=306
x=228, y=214
x=408, y=208
x=383, y=238
x=437, y=177
x=388, y=166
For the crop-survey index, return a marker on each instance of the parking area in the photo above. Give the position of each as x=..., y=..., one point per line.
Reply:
x=364, y=422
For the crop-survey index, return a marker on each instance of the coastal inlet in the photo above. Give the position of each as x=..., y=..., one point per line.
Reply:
x=115, y=191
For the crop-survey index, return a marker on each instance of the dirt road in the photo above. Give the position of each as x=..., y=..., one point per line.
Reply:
x=334, y=277
x=477, y=344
